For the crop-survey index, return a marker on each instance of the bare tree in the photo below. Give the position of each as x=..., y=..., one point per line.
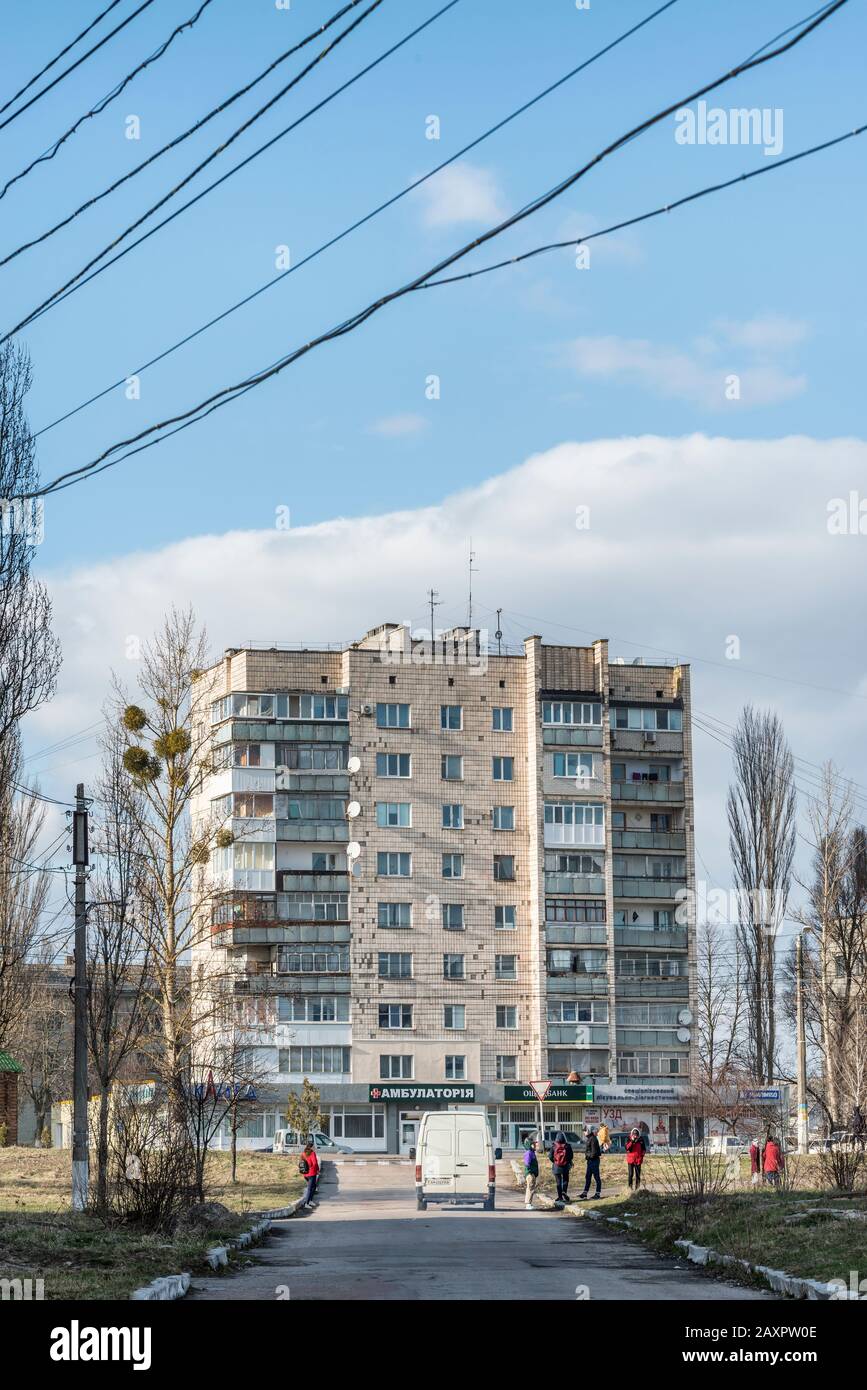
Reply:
x=29, y=652
x=120, y=1013
x=761, y=817
x=166, y=754
x=720, y=1007
x=23, y=890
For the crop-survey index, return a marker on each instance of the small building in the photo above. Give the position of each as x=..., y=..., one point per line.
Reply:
x=10, y=1070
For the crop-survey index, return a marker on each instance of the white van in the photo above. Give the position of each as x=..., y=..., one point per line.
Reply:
x=454, y=1159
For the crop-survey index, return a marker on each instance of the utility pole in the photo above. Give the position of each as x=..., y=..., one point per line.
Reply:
x=79, y=1083
x=473, y=571
x=435, y=602
x=802, y=1127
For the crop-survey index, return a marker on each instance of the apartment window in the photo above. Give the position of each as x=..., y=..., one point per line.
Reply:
x=651, y=967
x=504, y=868
x=456, y=1067
x=507, y=1016
x=395, y=1067
x=575, y=765
x=452, y=768
x=504, y=769
x=393, y=865
x=393, y=813
x=253, y=856
x=648, y=1015
x=453, y=967
x=312, y=1008
x=247, y=755
x=660, y=821
x=395, y=1015
x=453, y=866
x=618, y=820
x=663, y=919
x=313, y=1061
x=653, y=1064
x=504, y=817
x=575, y=822
x=505, y=918
x=394, y=914
x=571, y=712
x=253, y=805
x=507, y=1068
x=451, y=717
x=453, y=916
x=570, y=962
x=395, y=965
x=393, y=765
x=669, y=720
x=453, y=817
x=574, y=863
x=574, y=910
x=506, y=967
x=322, y=960
x=222, y=806
x=454, y=1017
x=305, y=757
x=392, y=716
x=323, y=863
x=575, y=1011
x=501, y=719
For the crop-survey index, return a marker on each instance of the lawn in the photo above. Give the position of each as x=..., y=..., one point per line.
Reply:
x=81, y=1257
x=750, y=1224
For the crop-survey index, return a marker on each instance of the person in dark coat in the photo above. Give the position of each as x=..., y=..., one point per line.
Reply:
x=531, y=1171
x=562, y=1158
x=635, y=1151
x=593, y=1158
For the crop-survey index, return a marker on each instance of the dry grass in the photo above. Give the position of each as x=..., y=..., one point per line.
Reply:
x=81, y=1257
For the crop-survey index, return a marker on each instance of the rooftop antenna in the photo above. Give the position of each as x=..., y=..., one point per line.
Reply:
x=499, y=633
x=473, y=571
x=435, y=602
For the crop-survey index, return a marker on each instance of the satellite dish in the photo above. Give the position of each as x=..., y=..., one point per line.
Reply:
x=353, y=849
x=353, y=809
x=684, y=1017
x=683, y=1035
x=354, y=765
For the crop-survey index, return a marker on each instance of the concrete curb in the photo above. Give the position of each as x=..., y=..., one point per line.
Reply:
x=791, y=1285
x=169, y=1286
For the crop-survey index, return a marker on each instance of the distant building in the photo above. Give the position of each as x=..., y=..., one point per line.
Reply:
x=453, y=872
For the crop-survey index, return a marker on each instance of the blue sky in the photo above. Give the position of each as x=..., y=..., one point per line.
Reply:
x=544, y=369
x=350, y=430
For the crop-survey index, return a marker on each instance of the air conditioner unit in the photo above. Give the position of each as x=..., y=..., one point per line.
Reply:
x=649, y=737
x=367, y=709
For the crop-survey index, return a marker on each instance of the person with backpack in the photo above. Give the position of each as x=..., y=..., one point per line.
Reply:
x=636, y=1148
x=308, y=1167
x=562, y=1158
x=593, y=1157
x=531, y=1171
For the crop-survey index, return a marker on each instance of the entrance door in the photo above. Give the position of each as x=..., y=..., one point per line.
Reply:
x=407, y=1132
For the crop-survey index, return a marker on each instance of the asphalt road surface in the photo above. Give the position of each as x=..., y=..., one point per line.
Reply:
x=367, y=1241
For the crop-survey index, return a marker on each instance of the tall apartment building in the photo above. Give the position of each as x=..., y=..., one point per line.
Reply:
x=454, y=872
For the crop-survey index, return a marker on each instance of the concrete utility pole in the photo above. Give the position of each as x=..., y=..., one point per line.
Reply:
x=803, y=1118
x=79, y=1083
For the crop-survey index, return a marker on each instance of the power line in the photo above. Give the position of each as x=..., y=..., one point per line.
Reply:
x=78, y=282
x=226, y=394
x=77, y=64
x=368, y=217
x=106, y=100
x=185, y=135
x=62, y=54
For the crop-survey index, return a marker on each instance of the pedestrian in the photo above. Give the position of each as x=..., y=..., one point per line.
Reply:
x=603, y=1134
x=593, y=1158
x=308, y=1167
x=531, y=1171
x=773, y=1161
x=755, y=1162
x=636, y=1147
x=562, y=1158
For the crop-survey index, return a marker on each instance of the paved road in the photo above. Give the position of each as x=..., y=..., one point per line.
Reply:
x=367, y=1241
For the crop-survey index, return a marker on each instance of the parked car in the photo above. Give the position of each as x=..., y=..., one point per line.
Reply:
x=286, y=1141
x=455, y=1159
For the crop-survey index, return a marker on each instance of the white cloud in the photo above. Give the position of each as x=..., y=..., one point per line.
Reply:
x=765, y=332
x=676, y=374
x=399, y=426
x=691, y=541
x=461, y=193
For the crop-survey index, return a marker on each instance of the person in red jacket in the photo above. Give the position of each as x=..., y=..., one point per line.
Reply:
x=308, y=1167
x=772, y=1161
x=635, y=1151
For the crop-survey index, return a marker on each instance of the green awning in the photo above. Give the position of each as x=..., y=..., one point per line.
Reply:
x=8, y=1063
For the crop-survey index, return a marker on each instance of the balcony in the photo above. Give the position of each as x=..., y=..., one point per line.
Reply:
x=632, y=987
x=646, y=741
x=283, y=731
x=670, y=792
x=575, y=934
x=577, y=1035
x=325, y=832
x=648, y=839
x=306, y=881
x=574, y=883
x=337, y=782
x=651, y=937
x=649, y=1037
x=571, y=738
x=326, y=933
x=662, y=889
x=596, y=985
